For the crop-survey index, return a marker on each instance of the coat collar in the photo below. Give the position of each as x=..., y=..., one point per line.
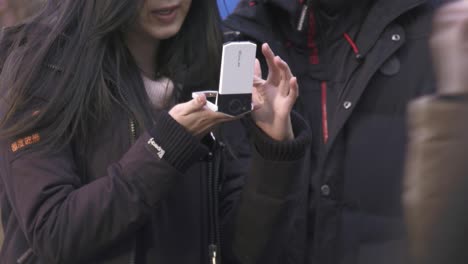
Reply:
x=381, y=15
x=254, y=19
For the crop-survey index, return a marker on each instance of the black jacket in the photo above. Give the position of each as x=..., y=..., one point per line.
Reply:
x=356, y=72
x=156, y=196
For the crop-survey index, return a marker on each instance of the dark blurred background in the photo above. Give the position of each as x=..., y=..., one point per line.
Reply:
x=226, y=6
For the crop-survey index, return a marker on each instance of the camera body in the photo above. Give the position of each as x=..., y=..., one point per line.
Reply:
x=234, y=96
x=236, y=78
x=234, y=104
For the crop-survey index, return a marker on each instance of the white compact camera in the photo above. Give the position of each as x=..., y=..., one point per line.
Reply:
x=234, y=96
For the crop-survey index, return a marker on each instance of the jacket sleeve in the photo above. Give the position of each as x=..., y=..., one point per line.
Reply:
x=436, y=164
x=258, y=210
x=68, y=221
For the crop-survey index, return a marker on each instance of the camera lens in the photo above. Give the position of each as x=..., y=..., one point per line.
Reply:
x=235, y=106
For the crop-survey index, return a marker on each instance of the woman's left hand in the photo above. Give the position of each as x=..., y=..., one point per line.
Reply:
x=274, y=97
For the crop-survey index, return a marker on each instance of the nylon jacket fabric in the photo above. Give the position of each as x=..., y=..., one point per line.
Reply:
x=125, y=201
x=354, y=90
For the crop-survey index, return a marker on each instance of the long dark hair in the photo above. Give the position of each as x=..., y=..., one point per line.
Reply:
x=68, y=67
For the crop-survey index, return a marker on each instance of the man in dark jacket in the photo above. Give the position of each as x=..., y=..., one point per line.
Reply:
x=358, y=64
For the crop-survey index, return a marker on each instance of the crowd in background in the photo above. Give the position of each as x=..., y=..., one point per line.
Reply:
x=226, y=7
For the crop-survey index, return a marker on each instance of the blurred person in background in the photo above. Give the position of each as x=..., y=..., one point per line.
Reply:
x=106, y=158
x=436, y=183
x=358, y=64
x=13, y=11
x=226, y=7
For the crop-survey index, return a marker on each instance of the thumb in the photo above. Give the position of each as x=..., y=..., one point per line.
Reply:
x=193, y=105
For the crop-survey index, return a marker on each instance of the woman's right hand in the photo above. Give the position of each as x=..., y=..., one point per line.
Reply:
x=196, y=118
x=449, y=45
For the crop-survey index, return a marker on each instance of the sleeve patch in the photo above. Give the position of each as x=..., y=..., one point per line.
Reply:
x=24, y=142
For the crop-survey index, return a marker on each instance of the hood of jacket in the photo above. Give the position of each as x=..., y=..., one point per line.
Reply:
x=259, y=19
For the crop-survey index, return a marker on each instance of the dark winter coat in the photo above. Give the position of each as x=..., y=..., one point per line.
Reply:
x=356, y=71
x=157, y=196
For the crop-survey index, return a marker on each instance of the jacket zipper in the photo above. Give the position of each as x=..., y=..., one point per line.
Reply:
x=302, y=19
x=214, y=227
x=133, y=136
x=213, y=215
x=132, y=128
x=216, y=188
x=314, y=59
x=132, y=131
x=212, y=246
x=325, y=133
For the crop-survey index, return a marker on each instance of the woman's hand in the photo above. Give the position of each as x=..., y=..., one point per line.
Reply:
x=196, y=118
x=449, y=44
x=274, y=98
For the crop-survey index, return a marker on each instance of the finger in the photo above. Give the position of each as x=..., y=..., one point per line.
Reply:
x=257, y=69
x=204, y=120
x=193, y=105
x=273, y=70
x=293, y=90
x=293, y=93
x=285, y=68
x=258, y=82
x=219, y=117
x=258, y=74
x=286, y=74
x=256, y=107
x=210, y=117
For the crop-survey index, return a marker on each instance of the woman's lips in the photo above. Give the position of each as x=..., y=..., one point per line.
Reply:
x=166, y=15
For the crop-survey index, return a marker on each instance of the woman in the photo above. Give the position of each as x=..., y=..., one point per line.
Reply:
x=100, y=166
